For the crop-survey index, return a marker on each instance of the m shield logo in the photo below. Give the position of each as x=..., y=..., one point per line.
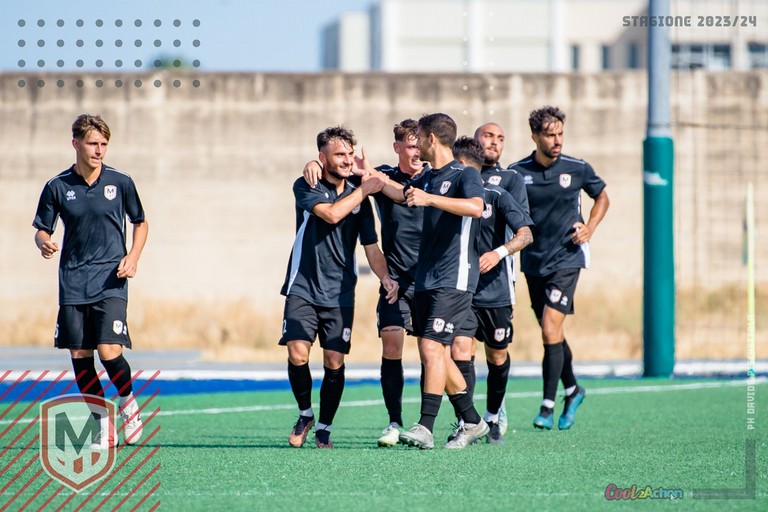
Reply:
x=554, y=296
x=498, y=335
x=346, y=334
x=356, y=210
x=68, y=426
x=565, y=180
x=438, y=324
x=110, y=192
x=117, y=327
x=444, y=187
x=494, y=180
x=488, y=211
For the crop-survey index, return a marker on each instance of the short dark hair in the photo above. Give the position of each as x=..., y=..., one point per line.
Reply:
x=469, y=150
x=406, y=128
x=335, y=132
x=87, y=122
x=544, y=116
x=441, y=125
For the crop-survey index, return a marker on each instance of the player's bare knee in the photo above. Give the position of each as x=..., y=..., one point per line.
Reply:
x=461, y=350
x=496, y=357
x=298, y=353
x=392, y=342
x=79, y=353
x=109, y=351
x=333, y=360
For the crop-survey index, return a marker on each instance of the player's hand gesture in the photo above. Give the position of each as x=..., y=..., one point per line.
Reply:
x=312, y=173
x=582, y=233
x=489, y=260
x=48, y=248
x=362, y=166
x=392, y=288
x=373, y=181
x=416, y=197
x=127, y=267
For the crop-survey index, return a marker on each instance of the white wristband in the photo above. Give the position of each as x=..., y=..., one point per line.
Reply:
x=502, y=251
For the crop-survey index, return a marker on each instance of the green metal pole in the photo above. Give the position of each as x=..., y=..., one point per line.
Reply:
x=659, y=258
x=658, y=197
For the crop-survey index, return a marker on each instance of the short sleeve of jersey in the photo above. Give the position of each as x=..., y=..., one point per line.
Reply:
x=308, y=197
x=367, y=225
x=514, y=214
x=47, y=213
x=593, y=185
x=471, y=184
x=516, y=187
x=132, y=203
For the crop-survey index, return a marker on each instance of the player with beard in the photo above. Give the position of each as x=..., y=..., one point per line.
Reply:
x=560, y=250
x=400, y=238
x=446, y=276
x=320, y=281
x=505, y=229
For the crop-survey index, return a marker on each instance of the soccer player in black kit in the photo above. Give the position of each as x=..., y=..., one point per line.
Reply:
x=320, y=280
x=93, y=199
x=400, y=238
x=505, y=229
x=446, y=276
x=560, y=249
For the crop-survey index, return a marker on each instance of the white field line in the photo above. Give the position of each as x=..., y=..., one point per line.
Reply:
x=410, y=400
x=584, y=370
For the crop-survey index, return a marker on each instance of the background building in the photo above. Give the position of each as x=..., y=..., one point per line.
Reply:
x=542, y=36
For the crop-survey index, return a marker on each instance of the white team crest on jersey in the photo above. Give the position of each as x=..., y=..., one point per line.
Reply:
x=488, y=211
x=554, y=295
x=438, y=324
x=498, y=335
x=356, y=210
x=444, y=187
x=117, y=327
x=565, y=180
x=110, y=192
x=346, y=334
x=494, y=180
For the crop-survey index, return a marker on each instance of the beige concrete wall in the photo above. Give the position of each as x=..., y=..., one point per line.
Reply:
x=214, y=166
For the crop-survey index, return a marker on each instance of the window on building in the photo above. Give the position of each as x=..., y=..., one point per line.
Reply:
x=575, y=57
x=758, y=55
x=712, y=57
x=633, y=56
x=605, y=56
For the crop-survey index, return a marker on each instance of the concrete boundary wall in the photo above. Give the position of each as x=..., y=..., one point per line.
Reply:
x=214, y=164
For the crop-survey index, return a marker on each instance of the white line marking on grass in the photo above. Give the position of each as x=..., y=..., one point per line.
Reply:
x=522, y=394
x=691, y=386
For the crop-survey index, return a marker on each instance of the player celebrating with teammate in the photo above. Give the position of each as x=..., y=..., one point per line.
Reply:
x=400, y=237
x=446, y=276
x=320, y=281
x=505, y=229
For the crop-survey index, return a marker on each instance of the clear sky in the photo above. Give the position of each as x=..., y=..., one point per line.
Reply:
x=111, y=35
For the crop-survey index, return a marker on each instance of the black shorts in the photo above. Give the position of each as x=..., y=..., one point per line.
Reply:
x=555, y=290
x=85, y=326
x=397, y=314
x=492, y=326
x=438, y=314
x=303, y=320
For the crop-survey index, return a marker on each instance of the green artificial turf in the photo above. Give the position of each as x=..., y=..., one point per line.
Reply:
x=628, y=432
